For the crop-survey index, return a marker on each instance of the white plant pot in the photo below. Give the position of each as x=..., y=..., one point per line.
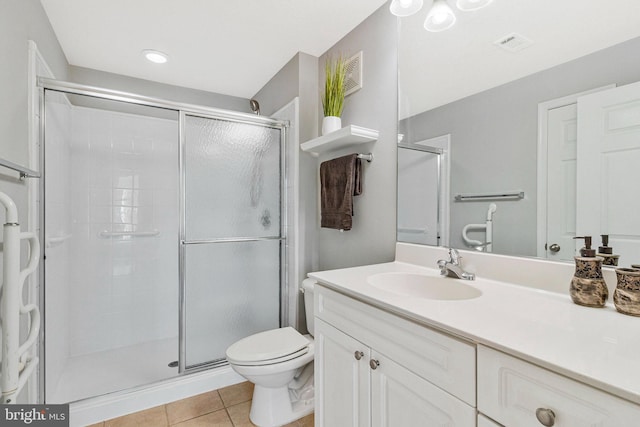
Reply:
x=331, y=124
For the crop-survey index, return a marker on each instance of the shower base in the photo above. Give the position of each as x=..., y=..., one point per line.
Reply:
x=108, y=371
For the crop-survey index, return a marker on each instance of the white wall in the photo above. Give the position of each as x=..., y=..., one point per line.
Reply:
x=373, y=236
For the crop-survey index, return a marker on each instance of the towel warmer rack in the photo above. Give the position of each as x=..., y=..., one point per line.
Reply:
x=24, y=172
x=17, y=363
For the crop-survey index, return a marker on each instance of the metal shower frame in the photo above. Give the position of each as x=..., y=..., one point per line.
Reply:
x=183, y=110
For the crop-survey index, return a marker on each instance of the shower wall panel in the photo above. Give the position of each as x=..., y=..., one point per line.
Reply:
x=125, y=226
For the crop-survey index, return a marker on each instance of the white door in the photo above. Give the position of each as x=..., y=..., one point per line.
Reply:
x=608, y=172
x=401, y=398
x=561, y=182
x=418, y=193
x=342, y=378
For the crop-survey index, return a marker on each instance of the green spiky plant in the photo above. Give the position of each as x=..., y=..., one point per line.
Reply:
x=333, y=97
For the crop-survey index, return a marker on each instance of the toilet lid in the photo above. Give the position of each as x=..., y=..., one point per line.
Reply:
x=268, y=346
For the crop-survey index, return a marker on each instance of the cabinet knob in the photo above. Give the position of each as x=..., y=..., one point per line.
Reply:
x=374, y=364
x=546, y=417
x=358, y=355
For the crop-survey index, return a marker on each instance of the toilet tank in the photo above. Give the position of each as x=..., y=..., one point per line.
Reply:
x=307, y=290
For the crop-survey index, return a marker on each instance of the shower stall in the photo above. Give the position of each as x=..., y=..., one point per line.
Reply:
x=164, y=230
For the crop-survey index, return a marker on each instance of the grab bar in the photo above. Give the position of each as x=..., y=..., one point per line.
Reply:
x=107, y=234
x=412, y=230
x=52, y=242
x=507, y=195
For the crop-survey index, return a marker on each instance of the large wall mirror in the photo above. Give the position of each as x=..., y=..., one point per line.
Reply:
x=524, y=124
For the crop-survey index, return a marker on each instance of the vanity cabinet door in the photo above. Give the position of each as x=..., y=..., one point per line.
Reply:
x=516, y=393
x=486, y=422
x=401, y=398
x=342, y=380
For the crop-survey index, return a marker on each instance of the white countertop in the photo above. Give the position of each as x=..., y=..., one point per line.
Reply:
x=597, y=346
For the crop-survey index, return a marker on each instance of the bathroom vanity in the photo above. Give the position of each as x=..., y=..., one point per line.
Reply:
x=396, y=347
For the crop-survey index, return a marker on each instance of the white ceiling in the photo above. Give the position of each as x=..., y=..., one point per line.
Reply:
x=438, y=68
x=235, y=47
x=230, y=47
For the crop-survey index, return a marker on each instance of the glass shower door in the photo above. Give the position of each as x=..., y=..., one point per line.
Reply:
x=231, y=241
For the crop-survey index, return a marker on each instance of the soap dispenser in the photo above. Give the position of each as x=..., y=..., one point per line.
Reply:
x=588, y=287
x=606, y=252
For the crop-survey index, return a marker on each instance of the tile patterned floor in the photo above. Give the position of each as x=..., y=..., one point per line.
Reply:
x=226, y=407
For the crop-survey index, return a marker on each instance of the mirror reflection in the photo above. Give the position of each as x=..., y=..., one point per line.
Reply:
x=541, y=115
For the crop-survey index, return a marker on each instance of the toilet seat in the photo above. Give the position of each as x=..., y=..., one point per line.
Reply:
x=269, y=347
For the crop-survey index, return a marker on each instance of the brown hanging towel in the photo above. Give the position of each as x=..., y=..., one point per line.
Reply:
x=340, y=180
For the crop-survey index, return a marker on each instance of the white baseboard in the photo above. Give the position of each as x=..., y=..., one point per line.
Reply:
x=97, y=409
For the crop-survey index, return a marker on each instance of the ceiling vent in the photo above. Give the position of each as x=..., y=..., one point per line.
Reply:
x=513, y=42
x=353, y=81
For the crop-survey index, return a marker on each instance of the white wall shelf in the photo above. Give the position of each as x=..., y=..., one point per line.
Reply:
x=347, y=136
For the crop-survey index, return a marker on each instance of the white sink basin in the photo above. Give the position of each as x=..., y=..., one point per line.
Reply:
x=423, y=286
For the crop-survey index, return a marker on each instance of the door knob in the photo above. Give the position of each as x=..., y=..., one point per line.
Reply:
x=546, y=417
x=358, y=355
x=374, y=364
x=554, y=248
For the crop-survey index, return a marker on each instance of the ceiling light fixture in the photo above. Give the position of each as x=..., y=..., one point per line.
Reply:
x=155, y=56
x=470, y=5
x=440, y=16
x=404, y=8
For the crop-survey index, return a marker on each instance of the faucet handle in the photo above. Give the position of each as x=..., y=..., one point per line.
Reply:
x=454, y=256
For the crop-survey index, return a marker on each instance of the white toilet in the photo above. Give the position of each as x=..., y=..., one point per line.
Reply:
x=279, y=362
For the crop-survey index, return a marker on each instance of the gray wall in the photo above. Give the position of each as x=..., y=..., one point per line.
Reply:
x=494, y=140
x=21, y=21
x=137, y=86
x=372, y=238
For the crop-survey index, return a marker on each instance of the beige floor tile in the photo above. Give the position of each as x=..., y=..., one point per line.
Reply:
x=235, y=394
x=307, y=421
x=97, y=425
x=240, y=414
x=214, y=419
x=193, y=407
x=154, y=417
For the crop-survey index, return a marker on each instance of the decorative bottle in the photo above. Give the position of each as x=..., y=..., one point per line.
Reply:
x=606, y=252
x=588, y=287
x=626, y=297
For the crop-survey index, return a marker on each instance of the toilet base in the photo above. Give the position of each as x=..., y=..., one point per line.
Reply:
x=273, y=407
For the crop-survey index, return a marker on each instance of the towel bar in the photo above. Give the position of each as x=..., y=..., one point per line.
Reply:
x=368, y=157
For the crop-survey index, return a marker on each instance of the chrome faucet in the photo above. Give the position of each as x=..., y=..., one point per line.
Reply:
x=452, y=267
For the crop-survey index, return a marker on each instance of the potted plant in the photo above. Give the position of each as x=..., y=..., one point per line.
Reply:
x=333, y=96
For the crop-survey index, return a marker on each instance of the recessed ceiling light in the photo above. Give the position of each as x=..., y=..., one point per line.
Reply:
x=155, y=56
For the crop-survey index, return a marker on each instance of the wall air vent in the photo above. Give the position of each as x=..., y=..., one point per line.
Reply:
x=353, y=82
x=513, y=42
